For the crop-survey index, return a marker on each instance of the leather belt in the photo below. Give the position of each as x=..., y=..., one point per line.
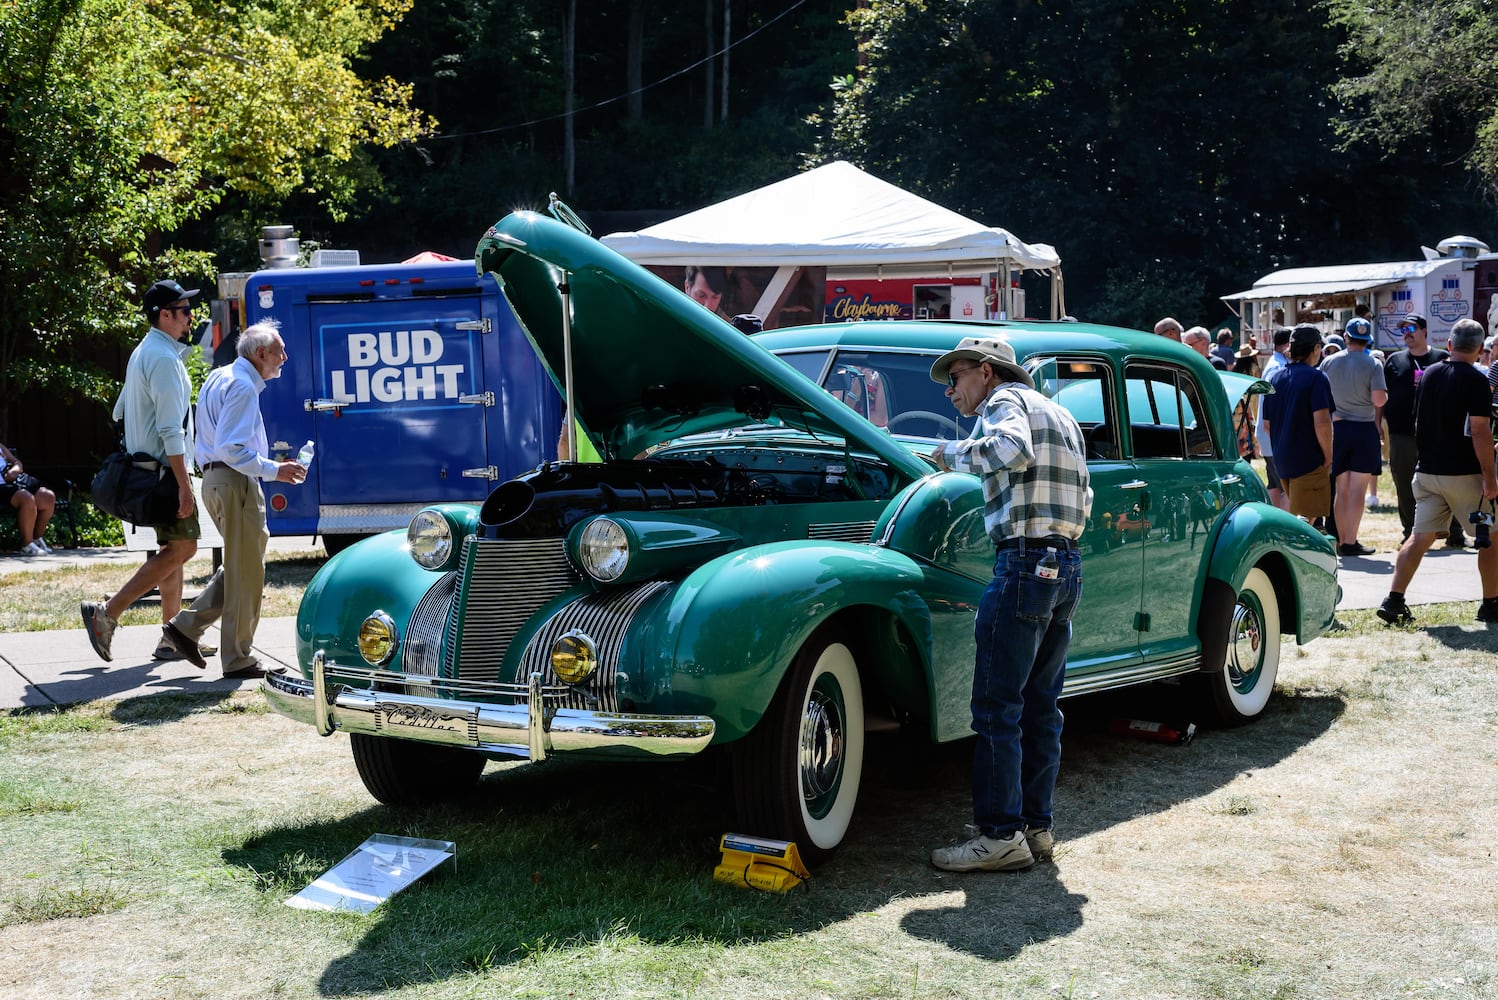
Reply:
x=216, y=465
x=1044, y=542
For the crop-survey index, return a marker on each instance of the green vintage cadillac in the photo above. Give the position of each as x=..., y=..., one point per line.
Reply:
x=764, y=562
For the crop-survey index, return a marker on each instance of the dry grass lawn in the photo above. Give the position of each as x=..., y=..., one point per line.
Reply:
x=1342, y=846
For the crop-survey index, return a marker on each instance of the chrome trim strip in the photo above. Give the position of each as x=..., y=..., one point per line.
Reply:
x=1139, y=674
x=893, y=519
x=514, y=730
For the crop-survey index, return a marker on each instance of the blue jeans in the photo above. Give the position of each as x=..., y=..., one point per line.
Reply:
x=1023, y=633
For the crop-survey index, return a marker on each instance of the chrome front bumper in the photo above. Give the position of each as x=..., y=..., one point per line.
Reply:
x=529, y=729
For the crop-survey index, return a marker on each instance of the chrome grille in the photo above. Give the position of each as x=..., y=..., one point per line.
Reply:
x=504, y=583
x=605, y=618
x=842, y=531
x=423, y=651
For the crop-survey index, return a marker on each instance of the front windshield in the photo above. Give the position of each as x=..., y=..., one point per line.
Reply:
x=894, y=391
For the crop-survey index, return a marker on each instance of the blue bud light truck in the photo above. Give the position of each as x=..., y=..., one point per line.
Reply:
x=415, y=383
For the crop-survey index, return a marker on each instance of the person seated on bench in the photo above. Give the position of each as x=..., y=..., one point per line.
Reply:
x=33, y=503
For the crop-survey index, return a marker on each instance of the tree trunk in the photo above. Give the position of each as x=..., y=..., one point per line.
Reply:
x=569, y=83
x=727, y=36
x=707, y=103
x=634, y=61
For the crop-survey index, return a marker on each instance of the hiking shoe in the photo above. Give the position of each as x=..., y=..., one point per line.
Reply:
x=100, y=627
x=1042, y=843
x=986, y=854
x=1354, y=549
x=1394, y=611
x=173, y=636
x=1487, y=611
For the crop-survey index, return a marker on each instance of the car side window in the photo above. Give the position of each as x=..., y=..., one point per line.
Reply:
x=1167, y=418
x=808, y=363
x=1084, y=388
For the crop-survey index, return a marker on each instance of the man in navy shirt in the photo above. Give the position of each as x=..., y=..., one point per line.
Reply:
x=1454, y=469
x=1298, y=419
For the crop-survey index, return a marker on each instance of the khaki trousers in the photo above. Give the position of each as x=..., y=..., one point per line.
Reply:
x=237, y=505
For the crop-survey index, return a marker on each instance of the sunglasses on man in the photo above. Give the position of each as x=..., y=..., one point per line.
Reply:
x=953, y=373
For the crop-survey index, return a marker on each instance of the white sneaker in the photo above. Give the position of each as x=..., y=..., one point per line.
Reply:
x=987, y=854
x=32, y=549
x=1370, y=502
x=47, y=550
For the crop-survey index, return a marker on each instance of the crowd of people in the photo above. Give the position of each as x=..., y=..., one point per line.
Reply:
x=1340, y=408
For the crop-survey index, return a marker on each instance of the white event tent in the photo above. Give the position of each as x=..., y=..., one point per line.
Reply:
x=850, y=222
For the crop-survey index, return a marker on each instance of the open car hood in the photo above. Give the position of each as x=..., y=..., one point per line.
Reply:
x=648, y=363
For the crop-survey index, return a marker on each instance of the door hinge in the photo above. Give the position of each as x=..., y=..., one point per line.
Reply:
x=485, y=398
x=481, y=325
x=319, y=405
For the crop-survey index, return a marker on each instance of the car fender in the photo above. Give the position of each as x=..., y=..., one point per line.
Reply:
x=731, y=628
x=377, y=574
x=1300, y=561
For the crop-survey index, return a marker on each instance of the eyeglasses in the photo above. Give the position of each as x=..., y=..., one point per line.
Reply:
x=1408, y=328
x=953, y=373
x=176, y=309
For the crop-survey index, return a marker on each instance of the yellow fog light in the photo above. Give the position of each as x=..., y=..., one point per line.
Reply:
x=377, y=639
x=574, y=657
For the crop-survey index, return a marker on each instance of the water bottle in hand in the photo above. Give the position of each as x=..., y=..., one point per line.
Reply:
x=304, y=457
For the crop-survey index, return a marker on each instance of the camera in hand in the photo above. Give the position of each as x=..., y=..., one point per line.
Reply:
x=1483, y=520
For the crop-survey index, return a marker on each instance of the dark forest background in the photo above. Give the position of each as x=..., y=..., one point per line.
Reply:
x=1172, y=153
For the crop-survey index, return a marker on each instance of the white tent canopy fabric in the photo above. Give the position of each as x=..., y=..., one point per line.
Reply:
x=1306, y=282
x=837, y=217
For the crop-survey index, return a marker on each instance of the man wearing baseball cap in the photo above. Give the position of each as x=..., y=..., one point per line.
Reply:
x=154, y=406
x=1403, y=371
x=1037, y=497
x=1359, y=393
x=1298, y=418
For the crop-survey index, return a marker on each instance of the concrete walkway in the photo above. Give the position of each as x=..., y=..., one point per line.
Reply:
x=39, y=669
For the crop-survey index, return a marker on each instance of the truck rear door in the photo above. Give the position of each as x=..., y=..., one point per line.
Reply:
x=401, y=409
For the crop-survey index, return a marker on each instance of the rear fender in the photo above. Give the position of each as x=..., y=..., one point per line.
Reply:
x=1299, y=560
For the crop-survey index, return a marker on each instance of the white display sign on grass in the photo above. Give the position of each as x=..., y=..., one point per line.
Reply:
x=377, y=869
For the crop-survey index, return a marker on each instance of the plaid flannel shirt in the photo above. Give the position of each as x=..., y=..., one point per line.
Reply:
x=1033, y=460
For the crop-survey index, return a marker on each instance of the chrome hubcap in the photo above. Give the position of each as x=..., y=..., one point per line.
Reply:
x=1245, y=646
x=821, y=750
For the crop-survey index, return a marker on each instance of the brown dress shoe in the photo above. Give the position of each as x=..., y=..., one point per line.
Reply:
x=245, y=673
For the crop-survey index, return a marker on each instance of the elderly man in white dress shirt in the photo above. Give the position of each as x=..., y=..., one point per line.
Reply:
x=233, y=453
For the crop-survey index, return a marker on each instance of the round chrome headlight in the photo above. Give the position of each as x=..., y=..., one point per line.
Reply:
x=430, y=539
x=603, y=549
x=574, y=657
x=377, y=638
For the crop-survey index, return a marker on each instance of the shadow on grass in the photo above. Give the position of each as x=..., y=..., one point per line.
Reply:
x=567, y=856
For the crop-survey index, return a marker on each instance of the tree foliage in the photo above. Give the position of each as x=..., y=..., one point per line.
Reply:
x=1172, y=152
x=1416, y=66
x=126, y=119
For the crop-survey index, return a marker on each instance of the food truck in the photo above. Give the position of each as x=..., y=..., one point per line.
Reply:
x=413, y=380
x=1456, y=280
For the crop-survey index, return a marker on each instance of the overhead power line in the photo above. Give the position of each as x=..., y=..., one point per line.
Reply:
x=624, y=96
